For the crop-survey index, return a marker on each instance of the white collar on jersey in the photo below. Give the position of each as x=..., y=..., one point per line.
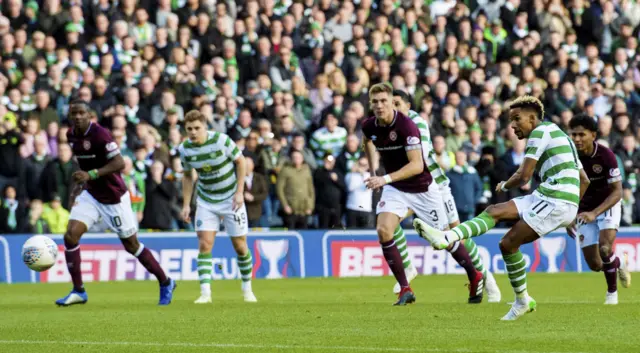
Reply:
x=395, y=115
x=73, y=130
x=595, y=149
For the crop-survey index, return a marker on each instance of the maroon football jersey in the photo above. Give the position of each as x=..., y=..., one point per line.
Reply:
x=602, y=169
x=94, y=150
x=393, y=142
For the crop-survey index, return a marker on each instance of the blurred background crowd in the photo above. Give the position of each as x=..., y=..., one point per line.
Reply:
x=288, y=80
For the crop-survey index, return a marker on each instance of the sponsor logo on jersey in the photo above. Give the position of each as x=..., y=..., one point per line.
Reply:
x=393, y=136
x=614, y=172
x=86, y=144
x=597, y=168
x=413, y=140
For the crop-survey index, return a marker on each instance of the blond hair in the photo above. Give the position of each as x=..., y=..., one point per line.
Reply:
x=382, y=87
x=337, y=82
x=529, y=102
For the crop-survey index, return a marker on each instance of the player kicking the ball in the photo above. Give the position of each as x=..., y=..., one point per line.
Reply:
x=103, y=196
x=220, y=169
x=600, y=208
x=552, y=205
x=408, y=184
x=461, y=251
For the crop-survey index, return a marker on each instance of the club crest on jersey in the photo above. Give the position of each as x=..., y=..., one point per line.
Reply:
x=597, y=168
x=86, y=144
x=207, y=168
x=393, y=136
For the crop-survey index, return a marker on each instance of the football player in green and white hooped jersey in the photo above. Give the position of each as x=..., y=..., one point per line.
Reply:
x=402, y=103
x=221, y=170
x=554, y=204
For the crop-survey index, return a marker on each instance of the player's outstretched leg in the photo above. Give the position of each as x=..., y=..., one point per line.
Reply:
x=387, y=223
x=472, y=228
x=476, y=278
x=78, y=295
x=516, y=266
x=410, y=270
x=145, y=257
x=611, y=264
x=245, y=264
x=493, y=292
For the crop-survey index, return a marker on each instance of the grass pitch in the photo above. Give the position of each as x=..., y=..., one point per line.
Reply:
x=320, y=315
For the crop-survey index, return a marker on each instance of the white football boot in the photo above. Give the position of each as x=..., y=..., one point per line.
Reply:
x=611, y=298
x=493, y=291
x=247, y=293
x=623, y=272
x=520, y=308
x=434, y=236
x=411, y=273
x=203, y=299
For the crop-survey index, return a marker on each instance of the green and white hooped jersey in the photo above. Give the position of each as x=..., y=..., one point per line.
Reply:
x=323, y=141
x=558, y=163
x=214, y=162
x=427, y=149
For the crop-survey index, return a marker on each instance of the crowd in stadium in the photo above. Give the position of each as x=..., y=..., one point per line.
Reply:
x=292, y=75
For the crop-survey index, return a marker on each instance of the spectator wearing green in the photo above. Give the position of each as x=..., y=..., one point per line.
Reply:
x=328, y=139
x=37, y=225
x=56, y=216
x=497, y=36
x=135, y=182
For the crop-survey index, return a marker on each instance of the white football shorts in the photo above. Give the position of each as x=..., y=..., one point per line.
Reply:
x=118, y=217
x=449, y=204
x=610, y=219
x=427, y=206
x=210, y=215
x=544, y=214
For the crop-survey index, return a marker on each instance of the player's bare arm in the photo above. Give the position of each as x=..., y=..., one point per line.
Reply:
x=241, y=172
x=115, y=165
x=75, y=191
x=369, y=149
x=413, y=168
x=584, y=184
x=188, y=181
x=520, y=177
x=614, y=197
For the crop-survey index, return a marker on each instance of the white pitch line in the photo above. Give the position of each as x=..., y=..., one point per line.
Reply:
x=230, y=346
x=257, y=346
